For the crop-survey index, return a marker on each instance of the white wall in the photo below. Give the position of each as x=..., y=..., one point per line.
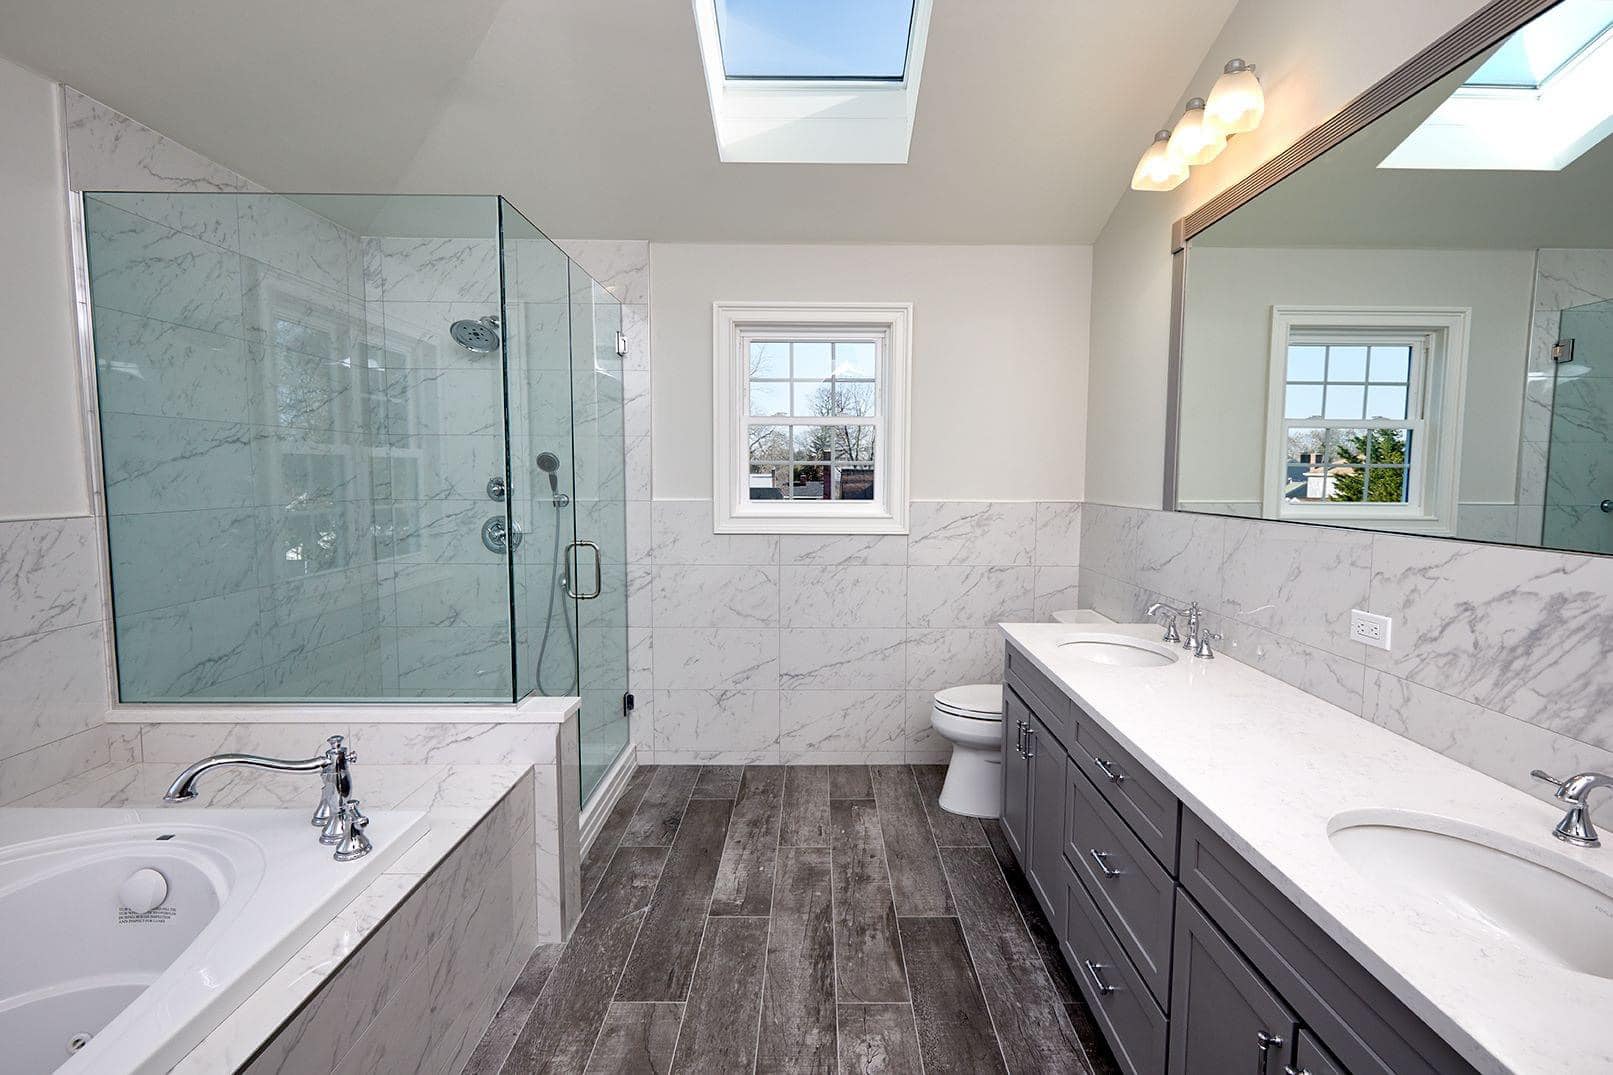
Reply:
x=1313, y=57
x=1000, y=336
x=1227, y=341
x=41, y=442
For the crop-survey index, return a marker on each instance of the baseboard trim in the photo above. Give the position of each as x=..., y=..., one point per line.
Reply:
x=605, y=796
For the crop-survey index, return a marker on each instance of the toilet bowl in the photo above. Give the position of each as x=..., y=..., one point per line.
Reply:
x=971, y=719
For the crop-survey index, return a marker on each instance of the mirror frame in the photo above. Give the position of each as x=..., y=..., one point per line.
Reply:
x=1482, y=30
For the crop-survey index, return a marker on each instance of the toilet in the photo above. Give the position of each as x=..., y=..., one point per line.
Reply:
x=971, y=719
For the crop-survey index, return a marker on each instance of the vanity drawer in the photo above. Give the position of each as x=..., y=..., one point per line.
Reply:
x=1362, y=1023
x=1135, y=793
x=1134, y=892
x=1040, y=693
x=1133, y=1024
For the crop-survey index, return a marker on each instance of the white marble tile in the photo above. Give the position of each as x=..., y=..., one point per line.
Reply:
x=638, y=453
x=52, y=764
x=1327, y=676
x=842, y=596
x=1119, y=600
x=697, y=596
x=948, y=657
x=386, y=743
x=622, y=266
x=151, y=367
x=176, y=464
x=460, y=786
x=969, y=596
x=817, y=725
x=636, y=327
x=440, y=270
x=1057, y=589
x=192, y=649
x=718, y=723
x=971, y=533
x=52, y=685
x=1298, y=581
x=682, y=534
x=109, y=151
x=180, y=744
x=824, y=658
x=843, y=550
x=1565, y=277
x=715, y=659
x=226, y=548
x=925, y=745
x=49, y=575
x=1058, y=533
x=140, y=267
x=279, y=232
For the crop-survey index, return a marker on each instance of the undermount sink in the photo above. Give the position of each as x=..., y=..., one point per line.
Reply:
x=1119, y=651
x=1550, y=904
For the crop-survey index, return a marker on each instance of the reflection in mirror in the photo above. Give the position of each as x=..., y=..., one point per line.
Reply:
x=1415, y=331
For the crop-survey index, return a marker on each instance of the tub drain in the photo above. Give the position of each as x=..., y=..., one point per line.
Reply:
x=77, y=1042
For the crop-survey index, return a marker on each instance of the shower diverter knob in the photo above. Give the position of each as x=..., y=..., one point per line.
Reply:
x=143, y=890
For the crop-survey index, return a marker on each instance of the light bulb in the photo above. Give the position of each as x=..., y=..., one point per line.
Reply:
x=1194, y=141
x=1159, y=170
x=1237, y=103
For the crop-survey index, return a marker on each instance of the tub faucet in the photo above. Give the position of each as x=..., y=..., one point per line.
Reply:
x=337, y=824
x=1575, y=827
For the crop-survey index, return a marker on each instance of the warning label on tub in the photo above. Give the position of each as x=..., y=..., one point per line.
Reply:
x=159, y=915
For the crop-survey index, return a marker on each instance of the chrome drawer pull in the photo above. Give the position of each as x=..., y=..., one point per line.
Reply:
x=1289, y=1069
x=1096, y=970
x=1102, y=859
x=1266, y=1043
x=1109, y=770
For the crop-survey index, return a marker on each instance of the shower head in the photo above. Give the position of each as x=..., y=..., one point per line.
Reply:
x=478, y=337
x=549, y=463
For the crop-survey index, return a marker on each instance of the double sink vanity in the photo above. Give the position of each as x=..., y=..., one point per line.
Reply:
x=1246, y=879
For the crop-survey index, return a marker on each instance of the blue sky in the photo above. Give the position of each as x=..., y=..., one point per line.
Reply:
x=823, y=38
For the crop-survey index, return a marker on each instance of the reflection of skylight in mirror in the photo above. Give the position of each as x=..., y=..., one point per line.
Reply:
x=1540, y=100
x=854, y=40
x=1532, y=55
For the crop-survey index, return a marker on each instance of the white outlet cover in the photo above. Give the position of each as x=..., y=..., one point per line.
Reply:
x=1370, y=629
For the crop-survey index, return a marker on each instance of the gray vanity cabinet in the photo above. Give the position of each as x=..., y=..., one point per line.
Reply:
x=1033, y=802
x=1226, y=1019
x=1016, y=775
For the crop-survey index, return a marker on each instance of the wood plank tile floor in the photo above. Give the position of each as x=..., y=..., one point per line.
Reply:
x=797, y=919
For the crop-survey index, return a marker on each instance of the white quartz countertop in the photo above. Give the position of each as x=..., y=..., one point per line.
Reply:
x=1268, y=766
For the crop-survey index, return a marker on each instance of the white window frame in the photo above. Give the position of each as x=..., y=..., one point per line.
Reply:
x=1434, y=409
x=889, y=324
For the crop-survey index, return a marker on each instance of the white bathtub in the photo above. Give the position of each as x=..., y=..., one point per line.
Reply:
x=88, y=986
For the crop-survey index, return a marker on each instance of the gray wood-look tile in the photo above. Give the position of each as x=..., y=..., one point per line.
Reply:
x=954, y=1027
x=1047, y=944
x=610, y=834
x=868, y=953
x=950, y=830
x=1029, y=1017
x=745, y=876
x=850, y=782
x=797, y=1034
x=560, y=1032
x=806, y=807
x=878, y=1039
x=512, y=1015
x=917, y=883
x=637, y=1039
x=655, y=821
x=718, y=782
x=663, y=958
x=725, y=999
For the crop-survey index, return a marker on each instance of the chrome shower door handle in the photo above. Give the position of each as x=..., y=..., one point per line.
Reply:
x=571, y=573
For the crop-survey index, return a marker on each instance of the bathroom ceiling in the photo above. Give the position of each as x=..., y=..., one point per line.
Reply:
x=591, y=115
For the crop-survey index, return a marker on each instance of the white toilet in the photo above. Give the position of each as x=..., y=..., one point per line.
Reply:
x=971, y=718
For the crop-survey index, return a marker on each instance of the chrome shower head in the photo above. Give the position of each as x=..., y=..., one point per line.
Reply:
x=478, y=337
x=549, y=463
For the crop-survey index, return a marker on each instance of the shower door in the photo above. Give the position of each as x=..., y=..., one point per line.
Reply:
x=1579, y=465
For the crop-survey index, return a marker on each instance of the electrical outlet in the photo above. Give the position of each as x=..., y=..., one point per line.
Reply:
x=1369, y=628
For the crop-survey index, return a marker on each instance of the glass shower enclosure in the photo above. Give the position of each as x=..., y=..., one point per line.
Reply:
x=358, y=448
x=1579, y=463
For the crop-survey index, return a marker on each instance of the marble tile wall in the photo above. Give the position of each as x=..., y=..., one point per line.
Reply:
x=1499, y=655
x=829, y=649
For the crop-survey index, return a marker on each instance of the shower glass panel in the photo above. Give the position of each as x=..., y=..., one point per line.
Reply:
x=1579, y=465
x=347, y=442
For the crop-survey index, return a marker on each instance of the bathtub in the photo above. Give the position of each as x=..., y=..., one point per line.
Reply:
x=89, y=985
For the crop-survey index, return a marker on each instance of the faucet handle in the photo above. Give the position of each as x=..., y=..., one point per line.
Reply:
x=1203, y=649
x=353, y=844
x=1545, y=777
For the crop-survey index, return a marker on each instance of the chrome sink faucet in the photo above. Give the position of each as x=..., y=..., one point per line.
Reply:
x=1191, y=639
x=340, y=822
x=1575, y=827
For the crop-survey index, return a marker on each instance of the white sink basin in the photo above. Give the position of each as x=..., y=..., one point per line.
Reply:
x=1550, y=904
x=1119, y=650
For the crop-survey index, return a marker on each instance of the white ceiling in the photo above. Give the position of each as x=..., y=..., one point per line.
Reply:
x=591, y=115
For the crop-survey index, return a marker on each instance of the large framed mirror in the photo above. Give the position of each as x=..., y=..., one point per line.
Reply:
x=1405, y=323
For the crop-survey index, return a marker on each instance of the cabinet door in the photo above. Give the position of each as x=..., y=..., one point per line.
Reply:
x=1311, y=1059
x=1047, y=783
x=1016, y=776
x=1224, y=1018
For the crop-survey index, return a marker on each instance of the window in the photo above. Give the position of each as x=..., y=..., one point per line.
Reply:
x=854, y=40
x=1362, y=415
x=811, y=411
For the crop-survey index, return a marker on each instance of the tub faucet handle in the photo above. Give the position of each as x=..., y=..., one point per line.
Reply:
x=337, y=776
x=353, y=844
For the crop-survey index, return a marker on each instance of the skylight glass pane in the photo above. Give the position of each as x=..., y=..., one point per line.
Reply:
x=1534, y=53
x=823, y=39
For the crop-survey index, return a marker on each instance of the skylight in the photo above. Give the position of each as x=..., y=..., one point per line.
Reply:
x=849, y=40
x=1541, y=99
x=813, y=81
